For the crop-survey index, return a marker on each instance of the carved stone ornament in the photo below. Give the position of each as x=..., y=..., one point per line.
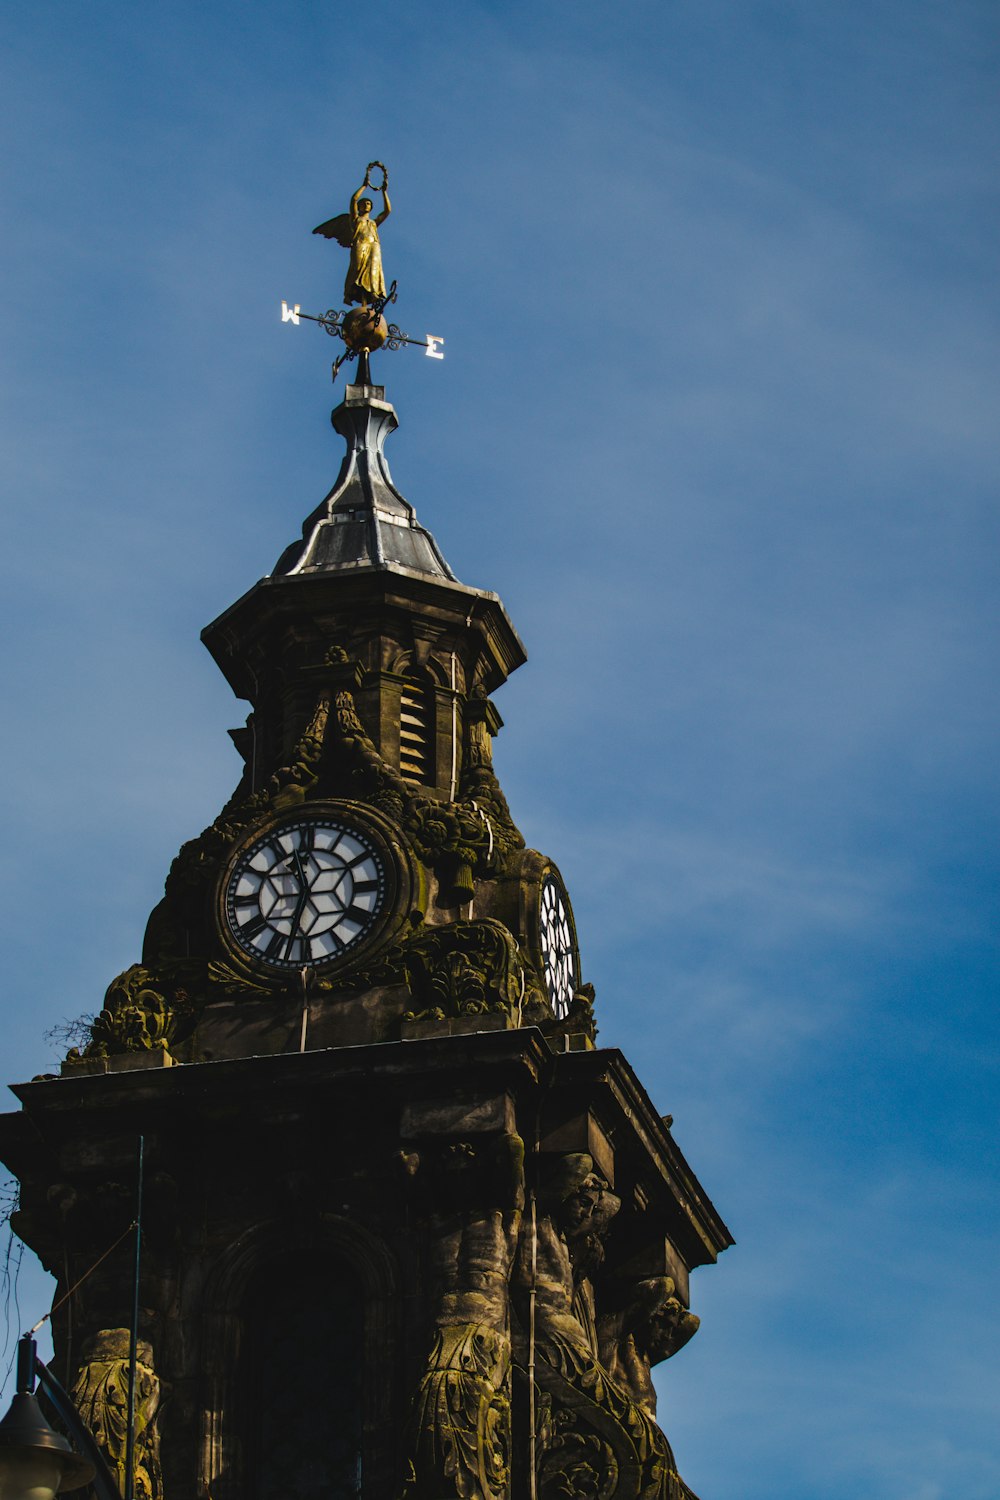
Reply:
x=600, y=1443
x=143, y=1012
x=460, y=1438
x=461, y=1418
x=475, y=831
x=465, y=968
x=579, y=1019
x=100, y=1394
x=648, y=1326
x=199, y=860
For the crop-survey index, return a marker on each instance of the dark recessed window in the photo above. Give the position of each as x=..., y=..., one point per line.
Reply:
x=303, y=1375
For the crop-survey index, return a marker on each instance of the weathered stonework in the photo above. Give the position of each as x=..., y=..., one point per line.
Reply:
x=487, y=1226
x=414, y=1166
x=100, y=1394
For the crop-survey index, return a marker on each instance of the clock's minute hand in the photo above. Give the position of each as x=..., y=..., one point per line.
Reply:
x=300, y=904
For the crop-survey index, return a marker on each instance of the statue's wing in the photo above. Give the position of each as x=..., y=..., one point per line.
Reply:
x=340, y=229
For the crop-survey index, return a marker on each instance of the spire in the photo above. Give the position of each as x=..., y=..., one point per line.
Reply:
x=364, y=522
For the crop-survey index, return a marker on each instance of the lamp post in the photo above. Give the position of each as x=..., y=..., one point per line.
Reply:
x=36, y=1463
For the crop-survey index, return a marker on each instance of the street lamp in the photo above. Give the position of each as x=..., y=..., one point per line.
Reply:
x=36, y=1463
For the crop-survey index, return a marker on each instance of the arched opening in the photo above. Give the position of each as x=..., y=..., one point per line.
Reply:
x=308, y=1318
x=304, y=1380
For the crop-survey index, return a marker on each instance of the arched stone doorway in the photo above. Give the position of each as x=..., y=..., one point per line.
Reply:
x=301, y=1362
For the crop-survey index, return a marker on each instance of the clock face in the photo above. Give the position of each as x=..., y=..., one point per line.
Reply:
x=305, y=892
x=558, y=946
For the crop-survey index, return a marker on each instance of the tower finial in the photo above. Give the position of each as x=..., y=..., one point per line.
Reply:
x=363, y=327
x=357, y=231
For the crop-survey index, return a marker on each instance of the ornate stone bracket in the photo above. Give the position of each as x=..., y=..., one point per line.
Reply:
x=649, y=1325
x=460, y=1422
x=461, y=1418
x=100, y=1393
x=599, y=1442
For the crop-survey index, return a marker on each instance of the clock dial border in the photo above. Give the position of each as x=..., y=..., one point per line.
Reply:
x=377, y=848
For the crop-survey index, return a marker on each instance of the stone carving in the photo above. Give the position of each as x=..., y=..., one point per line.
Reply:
x=139, y=1015
x=601, y=1443
x=232, y=982
x=100, y=1394
x=479, y=787
x=460, y=1421
x=365, y=774
x=291, y=784
x=578, y=1019
x=461, y=968
x=478, y=745
x=461, y=1417
x=465, y=968
x=198, y=861
x=471, y=833
x=649, y=1326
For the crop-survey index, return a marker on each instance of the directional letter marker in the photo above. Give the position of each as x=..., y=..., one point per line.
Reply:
x=361, y=326
x=383, y=335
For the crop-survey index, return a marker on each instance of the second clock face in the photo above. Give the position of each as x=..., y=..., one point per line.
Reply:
x=558, y=946
x=305, y=892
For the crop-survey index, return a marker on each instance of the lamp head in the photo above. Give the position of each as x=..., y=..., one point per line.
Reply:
x=36, y=1463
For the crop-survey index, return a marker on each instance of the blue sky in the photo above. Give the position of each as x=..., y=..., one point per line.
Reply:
x=718, y=422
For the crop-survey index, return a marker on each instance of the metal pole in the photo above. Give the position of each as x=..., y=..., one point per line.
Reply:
x=134, y=1341
x=25, y=1364
x=532, y=1413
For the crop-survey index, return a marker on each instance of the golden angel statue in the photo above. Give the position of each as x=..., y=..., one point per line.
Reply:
x=357, y=231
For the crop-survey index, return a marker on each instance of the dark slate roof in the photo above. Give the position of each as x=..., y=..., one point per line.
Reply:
x=364, y=522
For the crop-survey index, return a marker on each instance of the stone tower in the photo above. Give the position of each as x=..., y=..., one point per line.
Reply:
x=408, y=1235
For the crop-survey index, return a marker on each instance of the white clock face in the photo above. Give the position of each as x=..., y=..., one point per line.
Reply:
x=305, y=892
x=558, y=948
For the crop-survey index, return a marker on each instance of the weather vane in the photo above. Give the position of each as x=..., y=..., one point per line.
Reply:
x=363, y=327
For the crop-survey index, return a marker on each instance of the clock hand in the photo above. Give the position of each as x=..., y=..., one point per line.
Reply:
x=300, y=873
x=296, y=916
x=303, y=897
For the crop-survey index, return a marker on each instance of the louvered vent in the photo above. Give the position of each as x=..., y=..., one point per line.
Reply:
x=415, y=734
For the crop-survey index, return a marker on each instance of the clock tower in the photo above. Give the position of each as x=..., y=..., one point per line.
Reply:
x=408, y=1234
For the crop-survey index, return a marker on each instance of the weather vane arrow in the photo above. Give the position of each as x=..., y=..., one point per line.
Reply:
x=363, y=327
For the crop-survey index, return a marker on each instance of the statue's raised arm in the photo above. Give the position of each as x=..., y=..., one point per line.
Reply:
x=358, y=231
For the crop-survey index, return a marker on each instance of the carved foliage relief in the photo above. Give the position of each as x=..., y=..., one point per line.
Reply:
x=472, y=1193
x=100, y=1393
x=601, y=1442
x=596, y=1438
